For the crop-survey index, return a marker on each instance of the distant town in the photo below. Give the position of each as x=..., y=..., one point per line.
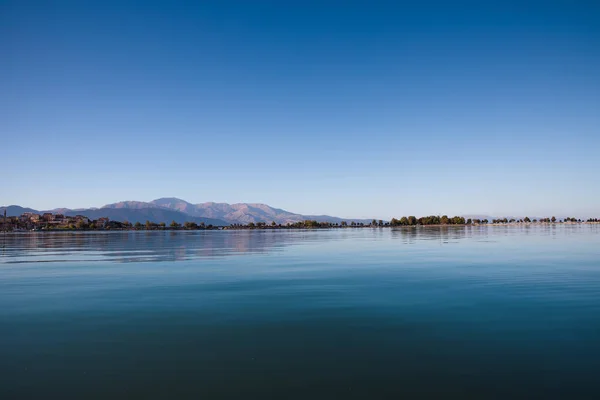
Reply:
x=58, y=222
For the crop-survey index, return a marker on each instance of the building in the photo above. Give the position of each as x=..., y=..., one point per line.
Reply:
x=82, y=218
x=102, y=222
x=30, y=217
x=48, y=217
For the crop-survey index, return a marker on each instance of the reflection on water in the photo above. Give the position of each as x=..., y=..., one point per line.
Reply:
x=425, y=312
x=142, y=246
x=186, y=245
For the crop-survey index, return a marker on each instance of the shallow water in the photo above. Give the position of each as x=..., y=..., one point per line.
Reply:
x=493, y=312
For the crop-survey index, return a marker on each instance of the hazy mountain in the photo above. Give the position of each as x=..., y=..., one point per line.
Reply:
x=242, y=213
x=131, y=205
x=152, y=214
x=478, y=216
x=65, y=211
x=122, y=213
x=169, y=209
x=176, y=204
x=15, y=211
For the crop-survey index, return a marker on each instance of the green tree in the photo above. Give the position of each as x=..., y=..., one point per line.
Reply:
x=174, y=225
x=138, y=226
x=190, y=225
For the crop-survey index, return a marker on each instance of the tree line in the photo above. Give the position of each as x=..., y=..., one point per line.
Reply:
x=14, y=223
x=432, y=220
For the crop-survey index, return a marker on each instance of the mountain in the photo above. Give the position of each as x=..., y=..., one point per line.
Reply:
x=479, y=216
x=242, y=213
x=176, y=204
x=119, y=212
x=173, y=209
x=15, y=211
x=130, y=205
x=134, y=211
x=152, y=214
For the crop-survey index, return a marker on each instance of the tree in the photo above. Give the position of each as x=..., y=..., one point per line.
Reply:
x=553, y=219
x=138, y=226
x=526, y=219
x=174, y=225
x=191, y=225
x=148, y=225
x=273, y=223
x=162, y=225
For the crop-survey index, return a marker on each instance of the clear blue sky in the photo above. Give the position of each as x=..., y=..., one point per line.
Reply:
x=355, y=109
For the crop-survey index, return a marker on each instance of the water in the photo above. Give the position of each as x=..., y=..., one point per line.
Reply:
x=480, y=312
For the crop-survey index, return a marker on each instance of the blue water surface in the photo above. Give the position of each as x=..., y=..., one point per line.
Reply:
x=427, y=312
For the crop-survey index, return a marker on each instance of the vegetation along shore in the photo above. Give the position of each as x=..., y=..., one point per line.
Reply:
x=59, y=222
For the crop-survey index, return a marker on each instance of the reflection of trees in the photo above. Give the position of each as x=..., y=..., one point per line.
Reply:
x=445, y=233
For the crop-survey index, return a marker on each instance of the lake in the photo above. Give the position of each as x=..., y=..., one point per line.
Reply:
x=439, y=312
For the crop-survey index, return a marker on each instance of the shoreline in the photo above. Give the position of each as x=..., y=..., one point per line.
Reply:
x=278, y=228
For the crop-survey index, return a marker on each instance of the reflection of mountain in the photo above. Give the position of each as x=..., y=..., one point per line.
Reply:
x=141, y=246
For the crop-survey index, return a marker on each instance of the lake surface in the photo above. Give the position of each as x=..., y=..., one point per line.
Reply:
x=456, y=312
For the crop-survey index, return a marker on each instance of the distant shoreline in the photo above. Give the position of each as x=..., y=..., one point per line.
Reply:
x=283, y=228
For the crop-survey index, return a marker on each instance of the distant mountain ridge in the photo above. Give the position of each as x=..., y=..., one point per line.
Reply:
x=169, y=209
x=244, y=213
x=152, y=214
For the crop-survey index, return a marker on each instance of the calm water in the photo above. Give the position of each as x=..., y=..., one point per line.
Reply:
x=483, y=312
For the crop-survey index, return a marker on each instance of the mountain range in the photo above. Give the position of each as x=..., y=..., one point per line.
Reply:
x=173, y=209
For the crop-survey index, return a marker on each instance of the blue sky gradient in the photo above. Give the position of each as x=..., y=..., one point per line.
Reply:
x=355, y=109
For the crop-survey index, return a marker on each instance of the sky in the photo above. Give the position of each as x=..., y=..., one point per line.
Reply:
x=354, y=109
